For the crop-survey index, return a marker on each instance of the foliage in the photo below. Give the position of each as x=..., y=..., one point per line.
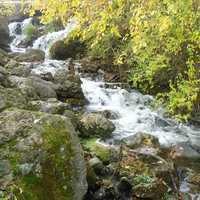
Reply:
x=6, y=8
x=30, y=31
x=159, y=40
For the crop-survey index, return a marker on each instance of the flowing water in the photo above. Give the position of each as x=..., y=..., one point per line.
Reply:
x=132, y=110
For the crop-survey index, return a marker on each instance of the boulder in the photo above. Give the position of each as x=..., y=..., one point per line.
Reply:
x=10, y=97
x=4, y=34
x=31, y=55
x=34, y=87
x=18, y=69
x=62, y=49
x=69, y=85
x=52, y=106
x=41, y=157
x=94, y=124
x=142, y=140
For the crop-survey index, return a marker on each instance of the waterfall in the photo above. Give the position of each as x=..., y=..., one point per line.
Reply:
x=44, y=42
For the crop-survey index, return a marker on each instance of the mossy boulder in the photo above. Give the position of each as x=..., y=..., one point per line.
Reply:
x=64, y=49
x=18, y=69
x=105, y=153
x=34, y=87
x=95, y=124
x=12, y=97
x=40, y=157
x=31, y=55
x=52, y=106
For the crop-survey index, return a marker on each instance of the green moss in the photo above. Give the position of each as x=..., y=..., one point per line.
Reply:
x=102, y=152
x=60, y=153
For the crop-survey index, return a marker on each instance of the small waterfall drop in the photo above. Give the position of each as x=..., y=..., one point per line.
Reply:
x=17, y=33
x=44, y=42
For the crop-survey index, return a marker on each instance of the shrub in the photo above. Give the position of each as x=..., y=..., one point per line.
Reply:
x=30, y=31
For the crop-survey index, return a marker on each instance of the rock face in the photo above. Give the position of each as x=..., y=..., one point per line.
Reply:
x=4, y=34
x=94, y=124
x=41, y=157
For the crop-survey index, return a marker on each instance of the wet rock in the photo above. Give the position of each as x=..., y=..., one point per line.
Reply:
x=47, y=76
x=40, y=157
x=92, y=124
x=4, y=34
x=107, y=193
x=69, y=85
x=124, y=186
x=52, y=106
x=31, y=55
x=183, y=153
x=96, y=164
x=142, y=140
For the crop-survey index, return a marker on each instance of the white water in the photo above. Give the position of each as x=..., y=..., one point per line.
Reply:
x=131, y=108
x=45, y=41
x=18, y=37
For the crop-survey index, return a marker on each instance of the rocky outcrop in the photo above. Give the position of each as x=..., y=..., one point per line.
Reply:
x=4, y=34
x=41, y=157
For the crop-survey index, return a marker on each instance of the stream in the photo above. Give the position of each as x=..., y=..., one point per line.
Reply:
x=132, y=110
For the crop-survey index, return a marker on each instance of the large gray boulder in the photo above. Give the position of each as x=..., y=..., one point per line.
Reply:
x=40, y=157
x=4, y=34
x=34, y=87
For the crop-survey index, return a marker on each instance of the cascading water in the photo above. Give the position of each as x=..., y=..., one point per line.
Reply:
x=17, y=32
x=131, y=110
x=135, y=115
x=45, y=41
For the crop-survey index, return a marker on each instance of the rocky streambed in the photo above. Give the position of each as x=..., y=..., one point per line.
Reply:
x=66, y=133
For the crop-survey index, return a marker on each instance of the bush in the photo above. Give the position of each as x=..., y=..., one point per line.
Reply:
x=30, y=31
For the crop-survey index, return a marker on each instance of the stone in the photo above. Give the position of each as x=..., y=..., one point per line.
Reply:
x=141, y=140
x=96, y=164
x=69, y=48
x=31, y=55
x=12, y=97
x=124, y=186
x=93, y=124
x=18, y=69
x=34, y=87
x=40, y=156
x=4, y=34
x=52, y=106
